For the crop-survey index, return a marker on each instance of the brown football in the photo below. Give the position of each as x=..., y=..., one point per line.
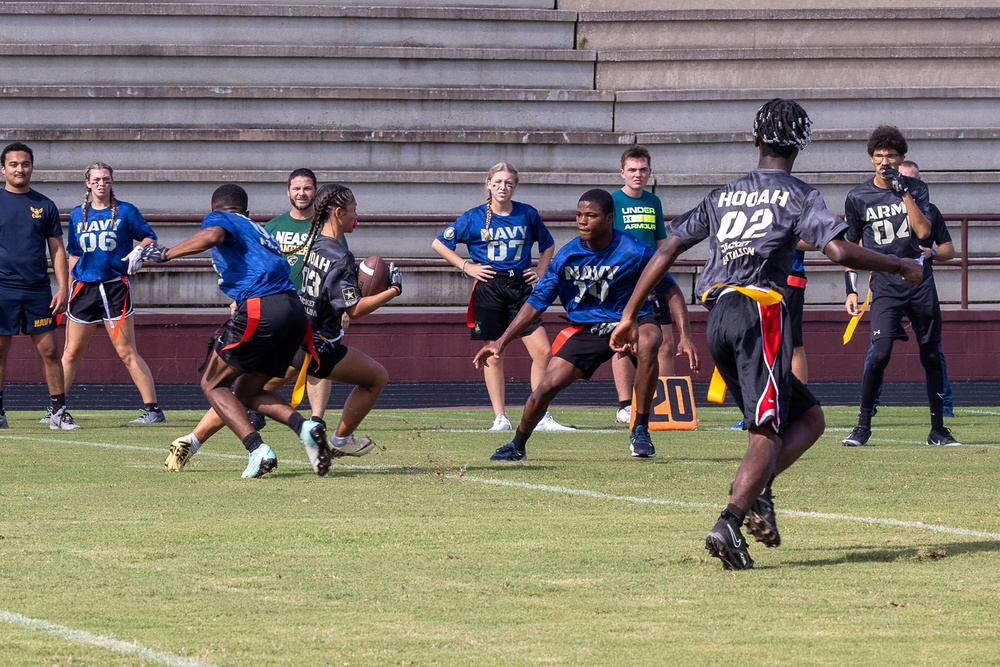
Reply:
x=373, y=276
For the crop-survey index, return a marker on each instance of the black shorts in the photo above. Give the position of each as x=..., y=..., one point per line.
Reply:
x=330, y=352
x=495, y=304
x=91, y=303
x=270, y=347
x=795, y=300
x=662, y=309
x=589, y=348
x=922, y=307
x=26, y=311
x=751, y=349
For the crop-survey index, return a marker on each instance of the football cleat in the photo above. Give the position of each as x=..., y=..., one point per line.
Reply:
x=624, y=415
x=738, y=426
x=3, y=420
x=47, y=417
x=548, y=423
x=726, y=542
x=509, y=453
x=352, y=445
x=256, y=420
x=150, y=417
x=760, y=520
x=943, y=437
x=61, y=420
x=313, y=437
x=260, y=462
x=858, y=437
x=500, y=423
x=180, y=454
x=640, y=443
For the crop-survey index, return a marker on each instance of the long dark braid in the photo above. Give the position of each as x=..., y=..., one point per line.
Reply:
x=782, y=125
x=329, y=197
x=111, y=191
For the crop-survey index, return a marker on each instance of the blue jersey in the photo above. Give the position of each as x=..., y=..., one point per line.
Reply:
x=595, y=286
x=101, y=243
x=798, y=264
x=249, y=260
x=506, y=245
x=27, y=221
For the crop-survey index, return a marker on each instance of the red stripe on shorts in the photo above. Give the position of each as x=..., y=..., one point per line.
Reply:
x=770, y=334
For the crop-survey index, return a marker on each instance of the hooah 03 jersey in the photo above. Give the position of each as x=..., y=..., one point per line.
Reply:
x=753, y=225
x=506, y=245
x=249, y=261
x=329, y=286
x=595, y=286
x=878, y=219
x=101, y=244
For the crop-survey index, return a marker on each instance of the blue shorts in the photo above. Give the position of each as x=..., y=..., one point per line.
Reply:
x=26, y=311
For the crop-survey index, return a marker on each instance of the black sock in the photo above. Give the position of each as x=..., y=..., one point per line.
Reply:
x=318, y=420
x=57, y=401
x=1, y=402
x=865, y=418
x=253, y=441
x=734, y=514
x=296, y=421
x=520, y=439
x=151, y=407
x=641, y=419
x=624, y=404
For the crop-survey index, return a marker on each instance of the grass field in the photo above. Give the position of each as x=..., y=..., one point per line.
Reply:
x=425, y=553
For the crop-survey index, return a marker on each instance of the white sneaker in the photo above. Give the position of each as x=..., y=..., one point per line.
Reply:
x=352, y=445
x=624, y=415
x=548, y=423
x=62, y=421
x=501, y=423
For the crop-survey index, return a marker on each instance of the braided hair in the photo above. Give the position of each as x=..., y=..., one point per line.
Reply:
x=329, y=197
x=111, y=191
x=494, y=170
x=782, y=126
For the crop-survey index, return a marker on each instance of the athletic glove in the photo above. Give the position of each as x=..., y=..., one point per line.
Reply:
x=133, y=260
x=395, y=277
x=896, y=180
x=154, y=252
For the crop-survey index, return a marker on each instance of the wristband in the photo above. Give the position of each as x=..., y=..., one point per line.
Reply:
x=851, y=282
x=463, y=266
x=933, y=253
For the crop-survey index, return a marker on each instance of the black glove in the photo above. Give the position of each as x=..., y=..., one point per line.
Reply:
x=395, y=277
x=154, y=252
x=896, y=180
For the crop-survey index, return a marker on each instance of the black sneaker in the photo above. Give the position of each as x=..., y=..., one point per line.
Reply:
x=3, y=420
x=942, y=436
x=726, y=542
x=858, y=437
x=640, y=443
x=509, y=453
x=760, y=521
x=257, y=420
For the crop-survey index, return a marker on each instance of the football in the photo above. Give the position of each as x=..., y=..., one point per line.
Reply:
x=373, y=276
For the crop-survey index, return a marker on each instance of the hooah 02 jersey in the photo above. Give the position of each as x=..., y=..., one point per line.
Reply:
x=594, y=286
x=506, y=245
x=249, y=261
x=753, y=225
x=329, y=286
x=101, y=244
x=877, y=217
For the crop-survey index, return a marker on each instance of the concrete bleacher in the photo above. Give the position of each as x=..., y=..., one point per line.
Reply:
x=410, y=106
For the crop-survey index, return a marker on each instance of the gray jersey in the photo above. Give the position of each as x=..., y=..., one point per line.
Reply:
x=329, y=286
x=753, y=225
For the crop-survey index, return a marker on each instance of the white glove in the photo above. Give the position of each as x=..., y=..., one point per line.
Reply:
x=134, y=260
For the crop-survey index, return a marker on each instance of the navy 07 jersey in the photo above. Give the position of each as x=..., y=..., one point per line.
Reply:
x=877, y=217
x=595, y=286
x=329, y=286
x=248, y=260
x=506, y=245
x=101, y=243
x=753, y=225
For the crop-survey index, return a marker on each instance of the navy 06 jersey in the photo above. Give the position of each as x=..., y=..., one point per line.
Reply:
x=329, y=286
x=506, y=245
x=753, y=225
x=101, y=244
x=877, y=217
x=249, y=261
x=595, y=286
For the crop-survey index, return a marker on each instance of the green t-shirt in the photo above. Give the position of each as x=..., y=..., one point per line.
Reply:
x=290, y=234
x=642, y=217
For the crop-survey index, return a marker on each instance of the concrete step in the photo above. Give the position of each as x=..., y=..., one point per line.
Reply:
x=214, y=23
x=260, y=65
x=743, y=5
x=789, y=28
x=357, y=108
x=822, y=67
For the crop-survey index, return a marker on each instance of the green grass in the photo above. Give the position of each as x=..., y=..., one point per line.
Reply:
x=425, y=553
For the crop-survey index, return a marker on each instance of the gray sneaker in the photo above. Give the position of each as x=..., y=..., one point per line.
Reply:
x=150, y=417
x=3, y=420
x=47, y=417
x=62, y=420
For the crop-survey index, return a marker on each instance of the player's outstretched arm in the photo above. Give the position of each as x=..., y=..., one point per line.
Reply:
x=685, y=342
x=853, y=256
x=626, y=334
x=372, y=302
x=200, y=241
x=525, y=316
